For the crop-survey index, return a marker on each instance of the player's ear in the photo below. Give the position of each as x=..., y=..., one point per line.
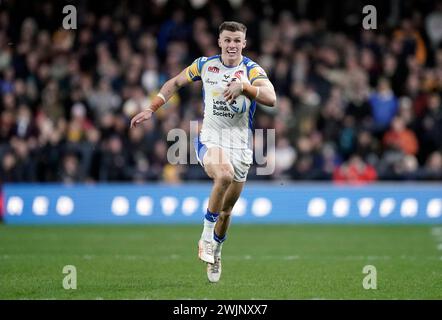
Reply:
x=219, y=42
x=244, y=44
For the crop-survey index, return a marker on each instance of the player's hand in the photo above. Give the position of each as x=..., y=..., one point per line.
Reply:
x=232, y=91
x=140, y=117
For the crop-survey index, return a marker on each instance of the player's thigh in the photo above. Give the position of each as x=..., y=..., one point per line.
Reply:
x=217, y=163
x=232, y=195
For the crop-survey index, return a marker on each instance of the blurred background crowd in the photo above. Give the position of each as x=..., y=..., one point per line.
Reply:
x=354, y=105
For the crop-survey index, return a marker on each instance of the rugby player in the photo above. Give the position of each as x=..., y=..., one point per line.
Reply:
x=232, y=85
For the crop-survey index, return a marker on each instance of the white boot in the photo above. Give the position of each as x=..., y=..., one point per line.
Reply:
x=214, y=269
x=205, y=251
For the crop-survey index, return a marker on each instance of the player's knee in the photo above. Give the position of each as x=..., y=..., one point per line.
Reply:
x=224, y=176
x=226, y=212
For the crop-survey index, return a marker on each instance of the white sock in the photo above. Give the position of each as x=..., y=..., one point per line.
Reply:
x=208, y=230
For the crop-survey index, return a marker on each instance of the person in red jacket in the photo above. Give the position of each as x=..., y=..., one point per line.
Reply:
x=354, y=171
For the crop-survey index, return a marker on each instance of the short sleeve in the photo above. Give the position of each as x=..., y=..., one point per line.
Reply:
x=256, y=72
x=193, y=72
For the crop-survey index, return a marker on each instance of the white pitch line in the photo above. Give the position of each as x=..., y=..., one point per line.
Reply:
x=378, y=257
x=290, y=257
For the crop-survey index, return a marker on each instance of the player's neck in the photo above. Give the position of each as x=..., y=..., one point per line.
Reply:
x=231, y=62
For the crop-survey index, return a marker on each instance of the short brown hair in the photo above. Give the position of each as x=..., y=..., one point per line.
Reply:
x=232, y=26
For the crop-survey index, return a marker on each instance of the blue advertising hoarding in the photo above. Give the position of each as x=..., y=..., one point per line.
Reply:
x=259, y=203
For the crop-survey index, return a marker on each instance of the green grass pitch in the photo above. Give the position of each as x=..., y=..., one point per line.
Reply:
x=259, y=262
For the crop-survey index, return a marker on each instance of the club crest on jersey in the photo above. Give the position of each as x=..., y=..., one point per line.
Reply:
x=239, y=73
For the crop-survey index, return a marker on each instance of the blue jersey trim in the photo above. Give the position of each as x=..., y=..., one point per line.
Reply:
x=251, y=114
x=249, y=66
x=202, y=61
x=204, y=98
x=200, y=150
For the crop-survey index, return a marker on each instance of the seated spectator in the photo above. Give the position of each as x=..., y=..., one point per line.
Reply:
x=172, y=174
x=70, y=170
x=401, y=138
x=405, y=169
x=285, y=156
x=433, y=166
x=9, y=172
x=431, y=126
x=367, y=147
x=354, y=171
x=115, y=164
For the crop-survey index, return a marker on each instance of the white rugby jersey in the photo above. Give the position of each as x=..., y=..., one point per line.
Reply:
x=221, y=125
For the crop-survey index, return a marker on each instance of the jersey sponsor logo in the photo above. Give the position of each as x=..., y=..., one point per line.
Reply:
x=213, y=69
x=211, y=82
x=220, y=109
x=226, y=77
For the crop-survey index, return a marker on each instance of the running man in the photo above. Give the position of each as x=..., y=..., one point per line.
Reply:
x=232, y=85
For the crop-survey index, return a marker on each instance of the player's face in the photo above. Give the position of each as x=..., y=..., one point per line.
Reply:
x=231, y=44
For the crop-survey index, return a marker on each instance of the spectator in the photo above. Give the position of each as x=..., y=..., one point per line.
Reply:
x=9, y=172
x=411, y=41
x=405, y=169
x=431, y=126
x=355, y=171
x=103, y=100
x=433, y=25
x=401, y=138
x=384, y=105
x=115, y=164
x=70, y=170
x=433, y=166
x=367, y=147
x=285, y=156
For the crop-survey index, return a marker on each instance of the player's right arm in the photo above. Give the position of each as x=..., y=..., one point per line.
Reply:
x=191, y=73
x=166, y=91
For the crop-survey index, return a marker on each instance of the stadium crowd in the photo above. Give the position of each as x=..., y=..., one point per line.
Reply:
x=354, y=105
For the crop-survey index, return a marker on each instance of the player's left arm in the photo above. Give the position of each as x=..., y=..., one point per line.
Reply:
x=262, y=91
x=259, y=88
